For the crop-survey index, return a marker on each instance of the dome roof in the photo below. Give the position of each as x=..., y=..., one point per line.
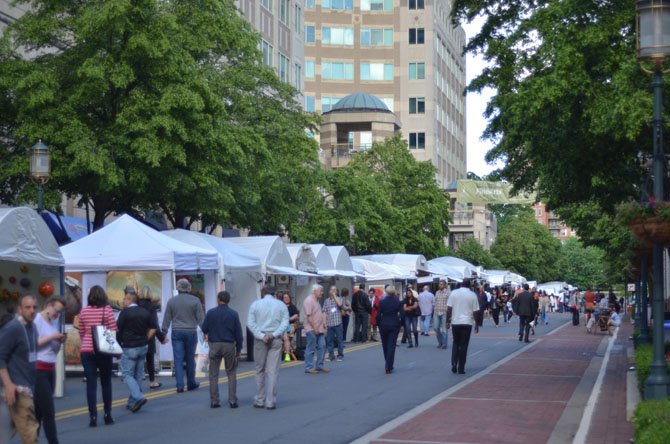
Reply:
x=359, y=102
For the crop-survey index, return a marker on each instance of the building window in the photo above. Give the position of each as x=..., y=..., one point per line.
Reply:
x=414, y=4
x=338, y=5
x=267, y=4
x=309, y=34
x=309, y=4
x=376, y=71
x=416, y=36
x=297, y=77
x=283, y=68
x=310, y=104
x=284, y=8
x=376, y=37
x=388, y=101
x=417, y=141
x=297, y=20
x=309, y=69
x=417, y=105
x=337, y=71
x=417, y=71
x=337, y=36
x=327, y=103
x=266, y=48
x=376, y=5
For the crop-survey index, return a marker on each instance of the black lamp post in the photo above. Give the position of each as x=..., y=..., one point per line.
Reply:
x=40, y=169
x=653, y=46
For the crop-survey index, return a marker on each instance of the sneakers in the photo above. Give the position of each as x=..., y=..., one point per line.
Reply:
x=287, y=357
x=339, y=359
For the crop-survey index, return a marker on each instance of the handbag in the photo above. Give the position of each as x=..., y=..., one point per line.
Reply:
x=104, y=339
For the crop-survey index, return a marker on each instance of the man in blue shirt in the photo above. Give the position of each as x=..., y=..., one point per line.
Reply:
x=224, y=334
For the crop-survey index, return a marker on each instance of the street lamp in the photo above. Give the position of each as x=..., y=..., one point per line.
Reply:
x=653, y=45
x=40, y=169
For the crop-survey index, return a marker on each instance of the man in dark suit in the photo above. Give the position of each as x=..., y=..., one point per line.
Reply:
x=526, y=308
x=360, y=305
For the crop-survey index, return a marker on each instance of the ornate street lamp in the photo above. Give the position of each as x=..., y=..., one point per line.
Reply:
x=653, y=46
x=40, y=169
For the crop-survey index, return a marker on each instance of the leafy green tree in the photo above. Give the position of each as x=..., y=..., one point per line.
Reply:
x=151, y=105
x=583, y=266
x=472, y=251
x=383, y=201
x=528, y=248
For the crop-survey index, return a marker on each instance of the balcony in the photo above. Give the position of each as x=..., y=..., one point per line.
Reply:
x=342, y=153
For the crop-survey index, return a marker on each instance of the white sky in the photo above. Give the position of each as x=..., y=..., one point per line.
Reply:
x=475, y=106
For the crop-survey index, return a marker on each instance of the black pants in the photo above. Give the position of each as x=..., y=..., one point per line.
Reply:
x=496, y=315
x=361, y=327
x=345, y=325
x=44, y=403
x=575, y=316
x=389, y=337
x=459, y=351
x=94, y=363
x=524, y=326
x=151, y=366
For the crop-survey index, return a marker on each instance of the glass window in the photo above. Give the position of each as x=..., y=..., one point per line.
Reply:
x=417, y=141
x=416, y=36
x=310, y=104
x=417, y=71
x=297, y=20
x=376, y=37
x=376, y=71
x=388, y=101
x=309, y=33
x=309, y=4
x=417, y=105
x=337, y=36
x=267, y=4
x=337, y=71
x=414, y=4
x=297, y=77
x=376, y=5
x=284, y=11
x=283, y=68
x=266, y=48
x=338, y=5
x=309, y=69
x=327, y=103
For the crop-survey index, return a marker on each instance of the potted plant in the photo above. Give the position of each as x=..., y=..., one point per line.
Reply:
x=649, y=221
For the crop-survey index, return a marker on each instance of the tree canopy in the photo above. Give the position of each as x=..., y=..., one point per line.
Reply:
x=583, y=266
x=472, y=251
x=154, y=104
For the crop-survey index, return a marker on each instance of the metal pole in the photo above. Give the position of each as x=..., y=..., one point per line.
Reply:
x=658, y=381
x=638, y=303
x=40, y=191
x=644, y=304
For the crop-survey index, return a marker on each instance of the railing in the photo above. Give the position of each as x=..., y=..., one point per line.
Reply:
x=349, y=149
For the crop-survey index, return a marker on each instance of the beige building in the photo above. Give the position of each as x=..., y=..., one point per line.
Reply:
x=470, y=220
x=404, y=52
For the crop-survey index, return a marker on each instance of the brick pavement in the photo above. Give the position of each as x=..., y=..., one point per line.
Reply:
x=534, y=397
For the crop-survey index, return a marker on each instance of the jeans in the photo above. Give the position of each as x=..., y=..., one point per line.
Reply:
x=44, y=403
x=440, y=323
x=335, y=333
x=425, y=323
x=459, y=350
x=410, y=327
x=389, y=336
x=543, y=316
x=361, y=327
x=132, y=367
x=315, y=344
x=94, y=363
x=183, y=348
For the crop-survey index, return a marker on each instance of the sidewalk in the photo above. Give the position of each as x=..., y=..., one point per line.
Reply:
x=554, y=390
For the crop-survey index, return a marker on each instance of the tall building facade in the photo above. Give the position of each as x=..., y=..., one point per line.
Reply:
x=549, y=219
x=405, y=52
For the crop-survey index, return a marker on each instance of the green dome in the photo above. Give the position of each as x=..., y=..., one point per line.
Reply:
x=359, y=102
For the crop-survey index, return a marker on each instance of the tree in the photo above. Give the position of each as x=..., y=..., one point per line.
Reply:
x=472, y=251
x=155, y=105
x=528, y=248
x=387, y=198
x=583, y=266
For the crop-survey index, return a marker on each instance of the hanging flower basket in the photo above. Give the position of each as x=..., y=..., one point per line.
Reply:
x=648, y=221
x=651, y=229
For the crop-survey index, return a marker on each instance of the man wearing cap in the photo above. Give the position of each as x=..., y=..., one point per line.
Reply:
x=184, y=312
x=135, y=327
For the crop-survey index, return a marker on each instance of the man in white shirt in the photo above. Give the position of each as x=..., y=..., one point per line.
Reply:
x=613, y=322
x=426, y=303
x=461, y=310
x=267, y=320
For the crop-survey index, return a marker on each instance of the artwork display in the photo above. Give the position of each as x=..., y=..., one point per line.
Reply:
x=145, y=283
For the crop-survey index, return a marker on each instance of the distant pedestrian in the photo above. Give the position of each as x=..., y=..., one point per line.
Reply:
x=411, y=312
x=346, y=311
x=441, y=299
x=526, y=307
x=136, y=327
x=544, y=304
x=185, y=314
x=374, y=303
x=267, y=320
x=361, y=307
x=49, y=341
x=389, y=319
x=332, y=307
x=495, y=305
x=426, y=303
x=148, y=302
x=573, y=305
x=483, y=306
x=462, y=308
x=223, y=331
x=315, y=330
x=293, y=321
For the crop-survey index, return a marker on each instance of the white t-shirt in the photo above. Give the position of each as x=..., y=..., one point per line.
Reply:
x=463, y=303
x=47, y=352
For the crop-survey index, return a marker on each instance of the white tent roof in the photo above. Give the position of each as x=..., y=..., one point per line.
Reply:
x=376, y=271
x=441, y=270
x=340, y=257
x=127, y=244
x=553, y=287
x=464, y=267
x=303, y=257
x=234, y=258
x=411, y=263
x=272, y=252
x=25, y=237
x=324, y=261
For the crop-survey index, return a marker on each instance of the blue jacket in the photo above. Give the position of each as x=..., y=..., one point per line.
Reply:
x=389, y=313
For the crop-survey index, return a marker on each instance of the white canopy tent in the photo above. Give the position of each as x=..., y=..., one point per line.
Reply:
x=410, y=263
x=464, y=268
x=26, y=238
x=380, y=273
x=553, y=287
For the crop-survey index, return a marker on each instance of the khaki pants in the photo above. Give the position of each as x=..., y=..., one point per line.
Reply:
x=267, y=358
x=23, y=415
x=226, y=351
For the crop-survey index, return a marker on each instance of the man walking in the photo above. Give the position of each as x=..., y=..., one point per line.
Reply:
x=441, y=300
x=18, y=353
x=462, y=308
x=315, y=329
x=224, y=334
x=332, y=309
x=136, y=327
x=426, y=302
x=360, y=305
x=268, y=321
x=184, y=312
x=526, y=308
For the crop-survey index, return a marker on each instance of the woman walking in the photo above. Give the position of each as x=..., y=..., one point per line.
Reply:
x=98, y=312
x=411, y=311
x=49, y=341
x=389, y=320
x=147, y=302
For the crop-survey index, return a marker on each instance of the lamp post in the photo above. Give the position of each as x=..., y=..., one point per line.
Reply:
x=40, y=169
x=653, y=46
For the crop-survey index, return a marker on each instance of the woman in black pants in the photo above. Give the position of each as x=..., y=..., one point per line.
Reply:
x=147, y=302
x=389, y=320
x=411, y=315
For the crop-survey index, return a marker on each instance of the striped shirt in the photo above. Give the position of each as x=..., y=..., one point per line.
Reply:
x=90, y=317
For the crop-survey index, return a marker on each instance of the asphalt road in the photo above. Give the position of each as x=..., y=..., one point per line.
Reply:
x=354, y=398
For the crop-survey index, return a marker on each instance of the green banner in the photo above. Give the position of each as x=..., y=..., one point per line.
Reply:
x=479, y=191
